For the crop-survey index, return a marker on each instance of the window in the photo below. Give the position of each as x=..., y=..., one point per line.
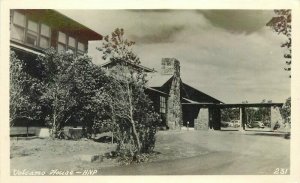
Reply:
x=18, y=26
x=72, y=44
x=162, y=108
x=45, y=36
x=29, y=31
x=62, y=41
x=32, y=33
x=80, y=48
x=19, y=19
x=67, y=43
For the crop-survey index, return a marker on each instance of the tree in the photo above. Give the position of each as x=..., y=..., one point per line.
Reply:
x=24, y=92
x=118, y=48
x=130, y=115
x=58, y=83
x=264, y=114
x=88, y=79
x=228, y=114
x=281, y=24
x=70, y=85
x=286, y=111
x=130, y=112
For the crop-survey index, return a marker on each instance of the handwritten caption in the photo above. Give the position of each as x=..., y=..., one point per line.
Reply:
x=54, y=172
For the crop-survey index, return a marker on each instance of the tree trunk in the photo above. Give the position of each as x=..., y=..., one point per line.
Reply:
x=135, y=134
x=113, y=118
x=54, y=129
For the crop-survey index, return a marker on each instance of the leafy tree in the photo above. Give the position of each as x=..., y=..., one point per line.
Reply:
x=131, y=115
x=264, y=114
x=70, y=85
x=281, y=24
x=88, y=79
x=286, y=111
x=228, y=114
x=24, y=92
x=117, y=48
x=58, y=84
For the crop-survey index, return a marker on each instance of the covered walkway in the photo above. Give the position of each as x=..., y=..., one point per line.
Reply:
x=204, y=116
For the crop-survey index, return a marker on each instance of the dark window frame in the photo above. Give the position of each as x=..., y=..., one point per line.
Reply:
x=162, y=104
x=26, y=31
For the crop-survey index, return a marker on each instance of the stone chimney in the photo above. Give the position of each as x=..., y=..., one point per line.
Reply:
x=171, y=66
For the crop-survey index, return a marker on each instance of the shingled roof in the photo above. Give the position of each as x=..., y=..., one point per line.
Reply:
x=157, y=80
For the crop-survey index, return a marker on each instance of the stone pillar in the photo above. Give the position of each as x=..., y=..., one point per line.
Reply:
x=242, y=119
x=216, y=118
x=174, y=110
x=276, y=117
x=201, y=123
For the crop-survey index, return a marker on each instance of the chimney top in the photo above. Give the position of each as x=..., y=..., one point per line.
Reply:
x=169, y=66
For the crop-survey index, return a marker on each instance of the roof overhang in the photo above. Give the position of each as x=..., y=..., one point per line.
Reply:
x=26, y=49
x=237, y=105
x=157, y=91
x=145, y=69
x=61, y=22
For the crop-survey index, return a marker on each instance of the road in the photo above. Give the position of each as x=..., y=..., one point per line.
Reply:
x=213, y=153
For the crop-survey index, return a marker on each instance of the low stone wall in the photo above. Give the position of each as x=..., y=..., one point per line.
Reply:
x=43, y=132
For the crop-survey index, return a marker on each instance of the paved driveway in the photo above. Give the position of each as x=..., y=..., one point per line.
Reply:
x=213, y=153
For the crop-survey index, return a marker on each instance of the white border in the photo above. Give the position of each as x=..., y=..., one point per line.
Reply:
x=294, y=177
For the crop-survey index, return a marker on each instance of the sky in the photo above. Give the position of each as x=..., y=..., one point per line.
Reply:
x=228, y=54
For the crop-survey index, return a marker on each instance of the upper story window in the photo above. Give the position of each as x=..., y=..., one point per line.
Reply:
x=71, y=44
x=45, y=36
x=80, y=48
x=32, y=33
x=62, y=41
x=162, y=108
x=66, y=42
x=18, y=26
x=29, y=31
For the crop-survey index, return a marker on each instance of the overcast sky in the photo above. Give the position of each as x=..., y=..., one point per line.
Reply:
x=228, y=54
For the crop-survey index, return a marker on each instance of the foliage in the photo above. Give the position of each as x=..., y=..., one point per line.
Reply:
x=24, y=92
x=281, y=24
x=264, y=114
x=64, y=89
x=70, y=83
x=286, y=111
x=129, y=112
x=58, y=85
x=117, y=48
x=253, y=114
x=228, y=114
x=88, y=78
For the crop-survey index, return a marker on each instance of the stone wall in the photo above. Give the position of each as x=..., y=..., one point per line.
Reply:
x=174, y=107
x=168, y=66
x=276, y=116
x=202, y=121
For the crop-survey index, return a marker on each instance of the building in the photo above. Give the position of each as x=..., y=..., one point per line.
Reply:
x=177, y=108
x=33, y=31
x=173, y=99
x=181, y=105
